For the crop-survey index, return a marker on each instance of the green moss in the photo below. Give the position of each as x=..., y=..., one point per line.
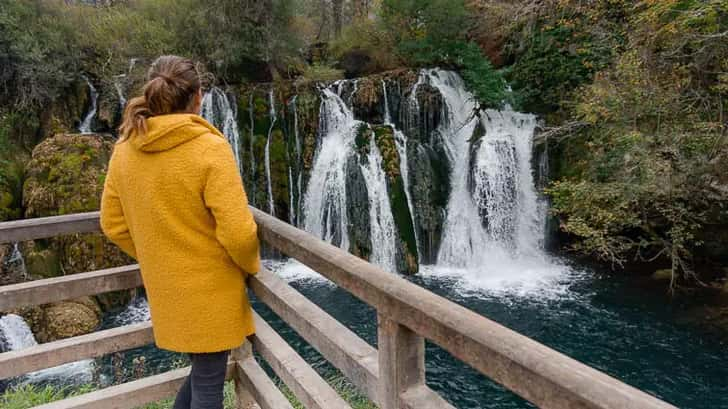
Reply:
x=362, y=138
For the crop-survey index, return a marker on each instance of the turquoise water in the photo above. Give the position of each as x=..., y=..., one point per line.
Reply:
x=615, y=324
x=609, y=323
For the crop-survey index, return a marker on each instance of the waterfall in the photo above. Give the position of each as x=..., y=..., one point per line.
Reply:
x=269, y=183
x=85, y=127
x=504, y=186
x=120, y=90
x=299, y=163
x=220, y=111
x=400, y=141
x=324, y=209
x=493, y=206
x=292, y=207
x=15, y=263
x=463, y=238
x=251, y=114
x=15, y=334
x=381, y=222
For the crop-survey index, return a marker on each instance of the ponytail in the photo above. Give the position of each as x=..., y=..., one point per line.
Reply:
x=173, y=82
x=135, y=118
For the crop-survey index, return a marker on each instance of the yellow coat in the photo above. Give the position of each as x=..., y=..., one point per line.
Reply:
x=173, y=199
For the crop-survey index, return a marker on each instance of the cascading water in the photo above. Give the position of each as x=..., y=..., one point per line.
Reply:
x=85, y=126
x=381, y=222
x=120, y=90
x=15, y=263
x=269, y=183
x=463, y=237
x=219, y=110
x=400, y=141
x=291, y=205
x=299, y=149
x=493, y=229
x=252, y=148
x=15, y=335
x=324, y=209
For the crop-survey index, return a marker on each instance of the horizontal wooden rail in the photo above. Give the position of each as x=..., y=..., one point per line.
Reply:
x=68, y=287
x=310, y=389
x=96, y=344
x=257, y=382
x=130, y=395
x=356, y=359
x=44, y=227
x=539, y=374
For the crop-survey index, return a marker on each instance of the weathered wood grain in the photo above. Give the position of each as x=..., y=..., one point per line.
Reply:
x=44, y=227
x=68, y=287
x=255, y=380
x=15, y=363
x=310, y=389
x=402, y=368
x=129, y=395
x=356, y=359
x=539, y=374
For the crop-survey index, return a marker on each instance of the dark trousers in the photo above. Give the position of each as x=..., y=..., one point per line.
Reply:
x=203, y=389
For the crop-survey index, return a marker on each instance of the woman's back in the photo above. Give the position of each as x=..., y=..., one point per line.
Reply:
x=174, y=200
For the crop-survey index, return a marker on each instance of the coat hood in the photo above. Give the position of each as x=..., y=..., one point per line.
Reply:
x=164, y=132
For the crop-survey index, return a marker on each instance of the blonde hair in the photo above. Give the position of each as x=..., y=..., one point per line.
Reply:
x=172, y=83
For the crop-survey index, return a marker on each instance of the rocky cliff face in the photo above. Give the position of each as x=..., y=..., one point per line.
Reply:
x=282, y=122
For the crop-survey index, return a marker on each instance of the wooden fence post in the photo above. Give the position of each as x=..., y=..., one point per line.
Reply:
x=244, y=397
x=401, y=361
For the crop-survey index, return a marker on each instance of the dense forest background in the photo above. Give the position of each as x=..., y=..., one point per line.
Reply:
x=632, y=92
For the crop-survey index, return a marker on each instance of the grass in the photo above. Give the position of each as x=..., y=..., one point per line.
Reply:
x=342, y=386
x=27, y=396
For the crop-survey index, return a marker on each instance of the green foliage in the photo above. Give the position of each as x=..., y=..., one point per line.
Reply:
x=434, y=32
x=372, y=38
x=38, y=57
x=650, y=177
x=563, y=50
x=322, y=73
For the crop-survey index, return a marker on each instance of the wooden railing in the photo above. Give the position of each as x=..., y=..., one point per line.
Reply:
x=393, y=376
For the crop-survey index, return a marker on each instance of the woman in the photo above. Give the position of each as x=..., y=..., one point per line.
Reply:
x=173, y=199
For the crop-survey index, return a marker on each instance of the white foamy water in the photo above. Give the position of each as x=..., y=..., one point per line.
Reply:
x=381, y=222
x=220, y=111
x=493, y=233
x=293, y=270
x=137, y=311
x=17, y=335
x=85, y=126
x=324, y=210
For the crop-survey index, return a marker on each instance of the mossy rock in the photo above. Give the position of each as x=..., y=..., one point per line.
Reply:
x=64, y=319
x=66, y=175
x=69, y=319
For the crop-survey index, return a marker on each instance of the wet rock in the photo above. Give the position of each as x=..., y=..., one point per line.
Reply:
x=357, y=202
x=69, y=319
x=66, y=175
x=429, y=187
x=407, y=254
